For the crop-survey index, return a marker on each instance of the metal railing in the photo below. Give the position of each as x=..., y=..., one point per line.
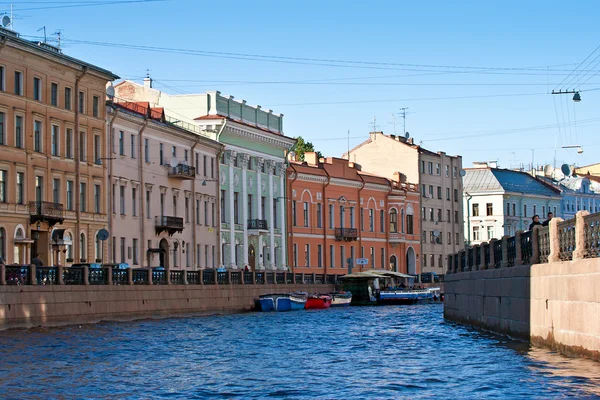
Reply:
x=119, y=277
x=511, y=251
x=248, y=277
x=46, y=210
x=346, y=234
x=270, y=278
x=175, y=277
x=208, y=277
x=260, y=277
x=526, y=247
x=486, y=255
x=140, y=276
x=591, y=229
x=193, y=277
x=222, y=277
x=168, y=222
x=544, y=243
x=566, y=239
x=46, y=275
x=17, y=275
x=98, y=276
x=159, y=277
x=182, y=171
x=236, y=277
x=280, y=278
x=73, y=276
x=497, y=249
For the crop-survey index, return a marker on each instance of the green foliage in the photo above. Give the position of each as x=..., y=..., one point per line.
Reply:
x=302, y=147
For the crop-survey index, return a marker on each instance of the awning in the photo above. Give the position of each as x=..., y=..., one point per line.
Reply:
x=156, y=251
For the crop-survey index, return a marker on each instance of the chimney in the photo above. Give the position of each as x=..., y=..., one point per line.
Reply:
x=493, y=164
x=148, y=82
x=310, y=157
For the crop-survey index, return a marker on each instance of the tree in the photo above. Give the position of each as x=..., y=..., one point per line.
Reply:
x=302, y=147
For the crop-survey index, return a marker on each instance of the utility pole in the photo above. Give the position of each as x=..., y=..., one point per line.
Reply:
x=403, y=110
x=44, y=29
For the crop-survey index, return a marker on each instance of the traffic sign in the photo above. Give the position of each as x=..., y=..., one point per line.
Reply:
x=362, y=261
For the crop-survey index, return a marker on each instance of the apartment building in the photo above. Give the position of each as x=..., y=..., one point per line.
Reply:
x=252, y=170
x=163, y=212
x=336, y=213
x=52, y=180
x=439, y=178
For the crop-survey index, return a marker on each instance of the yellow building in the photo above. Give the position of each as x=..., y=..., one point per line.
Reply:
x=593, y=169
x=52, y=130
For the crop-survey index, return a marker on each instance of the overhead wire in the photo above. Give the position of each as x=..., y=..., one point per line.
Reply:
x=576, y=68
x=86, y=4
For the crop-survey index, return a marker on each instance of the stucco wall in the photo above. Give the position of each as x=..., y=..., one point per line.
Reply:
x=30, y=306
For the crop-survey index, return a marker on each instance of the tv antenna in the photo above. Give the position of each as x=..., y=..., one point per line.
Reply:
x=403, y=111
x=43, y=28
x=374, y=124
x=57, y=33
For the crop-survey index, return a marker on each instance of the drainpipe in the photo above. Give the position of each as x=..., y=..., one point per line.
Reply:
x=142, y=187
x=194, y=221
x=360, y=218
x=289, y=221
x=469, y=197
x=218, y=196
x=109, y=183
x=77, y=167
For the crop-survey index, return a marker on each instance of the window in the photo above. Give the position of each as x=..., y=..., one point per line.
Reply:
x=294, y=221
x=514, y=208
x=97, y=198
x=448, y=216
x=96, y=106
x=447, y=170
x=319, y=215
x=81, y=102
x=135, y=247
x=393, y=221
x=409, y=224
x=475, y=209
x=490, y=232
x=456, y=195
x=122, y=199
x=204, y=164
x=37, y=136
x=342, y=216
x=475, y=233
x=432, y=260
x=161, y=153
x=148, y=211
x=544, y=211
x=37, y=89
x=223, y=220
x=456, y=216
x=3, y=182
x=236, y=213
x=424, y=260
x=82, y=196
x=69, y=143
x=331, y=256
x=424, y=237
x=431, y=214
x=56, y=191
x=185, y=155
x=20, y=188
x=439, y=215
x=352, y=217
x=456, y=238
x=121, y=143
x=454, y=172
x=132, y=146
x=554, y=211
x=439, y=192
x=39, y=188
x=2, y=83
x=507, y=209
x=147, y=150
x=173, y=152
x=431, y=191
x=82, y=247
x=430, y=168
x=331, y=216
x=525, y=210
x=18, y=83
x=489, y=209
x=423, y=190
x=305, y=213
x=2, y=138
x=212, y=167
x=319, y=256
x=122, y=250
x=54, y=94
x=97, y=150
x=55, y=148
x=422, y=166
x=382, y=220
x=342, y=256
x=69, y=195
x=134, y=201
x=67, y=98
x=19, y=131
x=212, y=215
x=306, y=255
x=448, y=194
x=187, y=210
x=206, y=213
x=534, y=209
x=437, y=169
x=371, y=220
x=372, y=257
x=449, y=236
x=174, y=206
x=82, y=144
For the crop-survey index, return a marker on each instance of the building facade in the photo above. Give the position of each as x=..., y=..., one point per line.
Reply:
x=336, y=213
x=162, y=210
x=52, y=127
x=500, y=202
x=252, y=170
x=439, y=178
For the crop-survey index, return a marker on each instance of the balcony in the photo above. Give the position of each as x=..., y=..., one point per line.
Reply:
x=395, y=237
x=182, y=171
x=257, y=227
x=52, y=213
x=169, y=224
x=346, y=234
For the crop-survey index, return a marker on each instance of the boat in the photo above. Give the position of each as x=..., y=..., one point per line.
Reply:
x=318, y=301
x=341, y=299
x=404, y=296
x=282, y=301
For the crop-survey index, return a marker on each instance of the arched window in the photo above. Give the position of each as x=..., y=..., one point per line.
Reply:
x=98, y=248
x=3, y=244
x=402, y=219
x=69, y=247
x=19, y=235
x=393, y=221
x=82, y=247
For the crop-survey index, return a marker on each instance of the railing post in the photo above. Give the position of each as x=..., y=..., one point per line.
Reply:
x=554, y=240
x=518, y=249
x=201, y=276
x=86, y=275
x=504, y=262
x=302, y=277
x=149, y=275
x=2, y=274
x=59, y=275
x=168, y=274
x=482, y=256
x=185, y=279
x=579, y=252
x=535, y=245
x=229, y=277
x=242, y=277
x=461, y=267
x=109, y=280
x=475, y=266
x=129, y=276
x=492, y=253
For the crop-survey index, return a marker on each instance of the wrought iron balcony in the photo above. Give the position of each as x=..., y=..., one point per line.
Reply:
x=182, y=171
x=346, y=234
x=168, y=224
x=52, y=213
x=258, y=224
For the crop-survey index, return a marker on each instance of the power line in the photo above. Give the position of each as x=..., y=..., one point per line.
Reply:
x=577, y=67
x=89, y=4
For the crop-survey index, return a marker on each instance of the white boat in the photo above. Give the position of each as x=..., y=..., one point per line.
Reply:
x=341, y=299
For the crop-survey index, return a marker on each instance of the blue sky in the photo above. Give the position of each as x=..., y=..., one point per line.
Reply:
x=481, y=116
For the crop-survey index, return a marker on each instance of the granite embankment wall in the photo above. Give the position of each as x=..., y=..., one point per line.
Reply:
x=26, y=306
x=556, y=305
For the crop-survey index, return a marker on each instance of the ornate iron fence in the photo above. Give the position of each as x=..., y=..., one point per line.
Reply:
x=470, y=251
x=98, y=276
x=260, y=277
x=544, y=243
x=331, y=279
x=463, y=260
x=176, y=277
x=592, y=235
x=222, y=277
x=566, y=239
x=309, y=279
x=486, y=255
x=477, y=257
x=236, y=277
x=17, y=275
x=119, y=277
x=289, y=278
x=248, y=278
x=526, y=247
x=193, y=277
x=280, y=278
x=46, y=276
x=208, y=276
x=73, y=276
x=497, y=246
x=159, y=277
x=319, y=278
x=299, y=278
x=511, y=251
x=270, y=278
x=140, y=276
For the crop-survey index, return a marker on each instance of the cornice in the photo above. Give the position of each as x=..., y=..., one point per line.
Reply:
x=255, y=135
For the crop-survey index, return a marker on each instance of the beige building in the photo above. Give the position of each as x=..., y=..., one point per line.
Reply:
x=163, y=198
x=52, y=126
x=440, y=182
x=593, y=169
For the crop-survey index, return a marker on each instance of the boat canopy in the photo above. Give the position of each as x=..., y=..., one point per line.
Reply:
x=376, y=273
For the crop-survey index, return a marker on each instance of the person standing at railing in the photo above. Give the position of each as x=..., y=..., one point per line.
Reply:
x=36, y=261
x=535, y=221
x=547, y=222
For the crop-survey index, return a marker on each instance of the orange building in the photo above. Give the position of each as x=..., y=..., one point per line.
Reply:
x=337, y=212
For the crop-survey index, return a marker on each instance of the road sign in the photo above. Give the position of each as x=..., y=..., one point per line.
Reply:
x=362, y=261
x=102, y=234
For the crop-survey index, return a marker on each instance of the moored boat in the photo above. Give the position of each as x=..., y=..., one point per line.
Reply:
x=318, y=301
x=282, y=301
x=403, y=296
x=341, y=299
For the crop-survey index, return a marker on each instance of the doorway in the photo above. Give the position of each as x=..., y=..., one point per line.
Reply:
x=411, y=261
x=163, y=256
x=394, y=263
x=251, y=258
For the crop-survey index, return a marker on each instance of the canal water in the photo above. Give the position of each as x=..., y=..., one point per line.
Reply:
x=356, y=353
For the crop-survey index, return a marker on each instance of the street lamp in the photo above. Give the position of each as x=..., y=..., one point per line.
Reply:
x=574, y=146
x=575, y=93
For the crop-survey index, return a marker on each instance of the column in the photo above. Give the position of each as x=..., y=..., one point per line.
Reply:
x=232, y=263
x=271, y=219
x=259, y=164
x=245, y=160
x=283, y=204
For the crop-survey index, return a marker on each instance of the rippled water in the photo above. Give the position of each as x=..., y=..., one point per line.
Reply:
x=354, y=353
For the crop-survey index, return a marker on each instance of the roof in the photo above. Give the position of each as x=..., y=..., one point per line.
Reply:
x=239, y=121
x=143, y=108
x=482, y=180
x=396, y=139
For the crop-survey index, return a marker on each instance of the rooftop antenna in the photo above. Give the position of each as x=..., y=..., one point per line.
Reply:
x=374, y=124
x=44, y=29
x=57, y=33
x=403, y=110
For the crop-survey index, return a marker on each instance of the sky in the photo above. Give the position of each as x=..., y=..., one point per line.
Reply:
x=476, y=76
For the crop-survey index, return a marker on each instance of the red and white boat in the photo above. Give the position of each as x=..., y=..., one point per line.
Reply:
x=318, y=301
